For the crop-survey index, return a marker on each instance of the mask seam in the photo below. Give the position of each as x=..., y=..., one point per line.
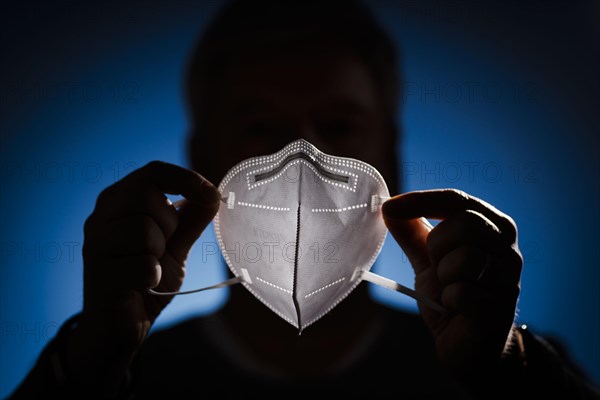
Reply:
x=375, y=175
x=217, y=229
x=330, y=162
x=296, y=259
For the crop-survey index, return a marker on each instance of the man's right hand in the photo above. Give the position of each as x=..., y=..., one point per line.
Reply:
x=134, y=240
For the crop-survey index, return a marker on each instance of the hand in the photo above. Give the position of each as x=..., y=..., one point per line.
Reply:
x=470, y=263
x=136, y=240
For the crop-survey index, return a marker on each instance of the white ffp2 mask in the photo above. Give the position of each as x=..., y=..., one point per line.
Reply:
x=301, y=229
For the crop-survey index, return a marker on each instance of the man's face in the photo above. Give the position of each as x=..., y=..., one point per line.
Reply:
x=329, y=100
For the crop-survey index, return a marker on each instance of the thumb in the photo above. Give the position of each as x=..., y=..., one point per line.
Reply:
x=194, y=216
x=410, y=233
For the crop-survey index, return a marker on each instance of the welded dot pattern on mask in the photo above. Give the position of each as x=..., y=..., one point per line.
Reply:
x=299, y=223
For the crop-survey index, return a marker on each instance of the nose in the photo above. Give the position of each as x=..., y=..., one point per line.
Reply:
x=310, y=133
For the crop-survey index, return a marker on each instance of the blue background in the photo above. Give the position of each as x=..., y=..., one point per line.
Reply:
x=500, y=101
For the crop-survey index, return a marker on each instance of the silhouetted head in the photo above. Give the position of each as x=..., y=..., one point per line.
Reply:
x=268, y=72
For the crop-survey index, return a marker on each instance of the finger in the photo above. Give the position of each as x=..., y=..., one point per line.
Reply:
x=464, y=227
x=472, y=228
x=135, y=235
x=470, y=299
x=193, y=219
x=483, y=318
x=500, y=273
x=138, y=272
x=173, y=274
x=443, y=203
x=464, y=263
x=411, y=235
x=143, y=191
x=124, y=199
x=173, y=179
x=465, y=298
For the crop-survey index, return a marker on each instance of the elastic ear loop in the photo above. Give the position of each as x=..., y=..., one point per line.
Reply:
x=393, y=285
x=369, y=276
x=245, y=277
x=364, y=275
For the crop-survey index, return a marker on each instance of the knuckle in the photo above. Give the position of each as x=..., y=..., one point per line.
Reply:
x=148, y=273
x=152, y=238
x=432, y=240
x=477, y=219
x=474, y=216
x=517, y=258
x=509, y=293
x=459, y=194
x=86, y=250
x=471, y=255
x=454, y=296
x=509, y=227
x=147, y=260
x=105, y=196
x=154, y=165
x=89, y=235
x=456, y=257
x=516, y=291
x=455, y=192
x=89, y=225
x=461, y=297
x=144, y=196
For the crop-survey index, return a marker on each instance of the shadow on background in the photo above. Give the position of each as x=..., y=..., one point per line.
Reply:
x=500, y=101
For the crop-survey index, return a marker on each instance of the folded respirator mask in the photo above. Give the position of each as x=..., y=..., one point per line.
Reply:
x=300, y=229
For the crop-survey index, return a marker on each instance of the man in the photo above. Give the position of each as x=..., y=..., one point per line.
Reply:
x=267, y=73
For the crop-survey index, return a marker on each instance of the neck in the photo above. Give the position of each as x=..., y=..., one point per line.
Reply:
x=325, y=347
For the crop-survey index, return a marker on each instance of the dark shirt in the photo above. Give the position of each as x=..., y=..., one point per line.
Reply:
x=398, y=360
x=198, y=359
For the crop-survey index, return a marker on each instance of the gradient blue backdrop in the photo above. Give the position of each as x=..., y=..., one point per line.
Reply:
x=498, y=102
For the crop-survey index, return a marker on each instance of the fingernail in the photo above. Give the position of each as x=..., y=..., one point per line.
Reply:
x=210, y=192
